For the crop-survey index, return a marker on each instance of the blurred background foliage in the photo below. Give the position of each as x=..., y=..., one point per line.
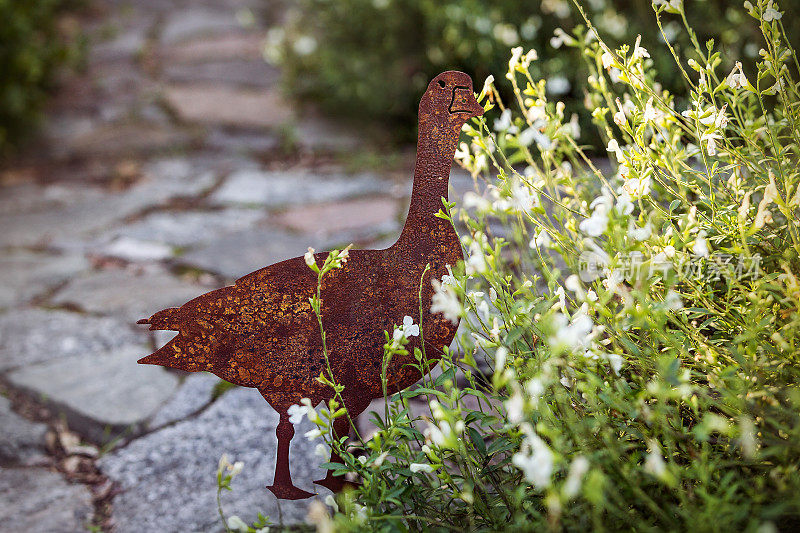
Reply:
x=34, y=44
x=373, y=58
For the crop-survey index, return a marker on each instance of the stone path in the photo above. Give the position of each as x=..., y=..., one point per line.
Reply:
x=161, y=175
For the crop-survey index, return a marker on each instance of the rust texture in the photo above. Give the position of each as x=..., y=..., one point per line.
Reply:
x=261, y=332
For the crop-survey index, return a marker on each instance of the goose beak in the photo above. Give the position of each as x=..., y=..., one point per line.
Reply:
x=464, y=102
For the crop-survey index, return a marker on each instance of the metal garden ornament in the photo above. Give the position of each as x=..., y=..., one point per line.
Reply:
x=262, y=332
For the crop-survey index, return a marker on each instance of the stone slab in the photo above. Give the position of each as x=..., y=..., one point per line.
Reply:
x=102, y=395
x=186, y=228
x=169, y=477
x=255, y=73
x=125, y=293
x=198, y=22
x=34, y=499
x=21, y=441
x=373, y=215
x=131, y=249
x=24, y=274
x=194, y=394
x=243, y=252
x=31, y=336
x=294, y=186
x=233, y=46
x=228, y=106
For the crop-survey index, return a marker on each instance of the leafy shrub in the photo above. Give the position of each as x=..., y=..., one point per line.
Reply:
x=641, y=324
x=32, y=50
x=373, y=58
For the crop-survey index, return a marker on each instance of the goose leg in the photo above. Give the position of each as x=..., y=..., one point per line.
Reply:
x=282, y=486
x=336, y=483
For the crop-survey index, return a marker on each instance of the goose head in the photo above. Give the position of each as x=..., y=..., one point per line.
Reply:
x=449, y=101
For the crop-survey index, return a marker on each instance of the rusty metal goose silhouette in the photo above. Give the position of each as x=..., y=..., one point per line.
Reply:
x=261, y=332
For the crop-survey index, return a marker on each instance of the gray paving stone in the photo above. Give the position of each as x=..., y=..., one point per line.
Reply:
x=131, y=249
x=70, y=216
x=348, y=219
x=186, y=228
x=193, y=395
x=255, y=73
x=243, y=252
x=24, y=274
x=34, y=499
x=102, y=395
x=27, y=197
x=194, y=22
x=31, y=336
x=164, y=179
x=127, y=294
x=21, y=441
x=169, y=477
x=92, y=211
x=222, y=105
x=237, y=141
x=294, y=186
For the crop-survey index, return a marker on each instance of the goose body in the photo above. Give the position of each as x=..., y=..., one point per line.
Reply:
x=261, y=332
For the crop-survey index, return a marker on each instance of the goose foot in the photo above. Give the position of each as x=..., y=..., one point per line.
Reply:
x=289, y=492
x=336, y=483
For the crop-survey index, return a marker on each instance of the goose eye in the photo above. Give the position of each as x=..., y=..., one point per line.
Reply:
x=441, y=84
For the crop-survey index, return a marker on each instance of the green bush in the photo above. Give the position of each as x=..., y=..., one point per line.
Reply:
x=641, y=324
x=32, y=50
x=373, y=58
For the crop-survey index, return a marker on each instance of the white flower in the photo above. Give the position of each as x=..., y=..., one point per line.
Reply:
x=619, y=118
x=420, y=467
x=651, y=113
x=770, y=195
x=379, y=460
x=615, y=360
x=535, y=388
x=408, y=329
x=607, y=59
x=542, y=238
x=309, y=257
x=700, y=246
x=446, y=302
x=654, y=464
x=711, y=142
x=640, y=234
x=504, y=122
x=771, y=13
x=624, y=205
x=560, y=37
x=533, y=134
x=636, y=187
x=296, y=413
x=513, y=63
x=305, y=45
x=313, y=434
x=474, y=200
x=514, y=407
x=596, y=224
x=236, y=469
x=487, y=87
x=321, y=451
x=571, y=335
x=673, y=300
x=476, y=262
x=573, y=283
x=640, y=51
x=578, y=468
x=613, y=146
x=535, y=460
x=331, y=502
x=237, y=524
